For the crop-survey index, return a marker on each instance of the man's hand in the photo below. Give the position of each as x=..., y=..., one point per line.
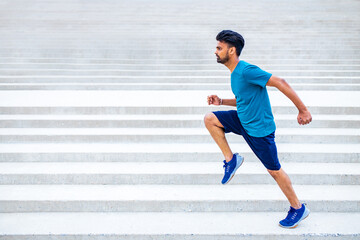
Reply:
x=304, y=117
x=213, y=99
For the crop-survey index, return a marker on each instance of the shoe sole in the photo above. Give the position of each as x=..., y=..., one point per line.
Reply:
x=308, y=213
x=233, y=174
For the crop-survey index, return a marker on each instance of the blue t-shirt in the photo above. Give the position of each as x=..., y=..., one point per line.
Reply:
x=248, y=83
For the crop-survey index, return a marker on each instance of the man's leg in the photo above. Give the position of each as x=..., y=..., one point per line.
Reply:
x=298, y=211
x=285, y=185
x=216, y=130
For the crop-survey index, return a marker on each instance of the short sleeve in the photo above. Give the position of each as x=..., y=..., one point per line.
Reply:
x=254, y=75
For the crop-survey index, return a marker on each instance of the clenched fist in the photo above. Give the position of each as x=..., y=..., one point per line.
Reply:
x=213, y=99
x=304, y=117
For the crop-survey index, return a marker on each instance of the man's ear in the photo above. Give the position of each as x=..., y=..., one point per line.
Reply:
x=232, y=50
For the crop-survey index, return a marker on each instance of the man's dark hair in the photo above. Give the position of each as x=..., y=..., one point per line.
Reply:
x=233, y=39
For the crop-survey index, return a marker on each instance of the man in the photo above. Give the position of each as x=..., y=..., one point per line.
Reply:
x=253, y=119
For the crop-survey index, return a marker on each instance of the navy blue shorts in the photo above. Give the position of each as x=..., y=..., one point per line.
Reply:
x=263, y=147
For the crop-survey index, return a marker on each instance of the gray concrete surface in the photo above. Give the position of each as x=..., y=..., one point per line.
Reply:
x=101, y=107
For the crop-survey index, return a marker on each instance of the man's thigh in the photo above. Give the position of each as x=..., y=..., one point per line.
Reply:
x=230, y=121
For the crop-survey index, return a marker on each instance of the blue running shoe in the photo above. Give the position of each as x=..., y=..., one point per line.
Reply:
x=294, y=217
x=231, y=167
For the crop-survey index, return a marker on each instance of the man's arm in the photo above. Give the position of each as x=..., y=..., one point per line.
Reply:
x=229, y=102
x=304, y=116
x=215, y=100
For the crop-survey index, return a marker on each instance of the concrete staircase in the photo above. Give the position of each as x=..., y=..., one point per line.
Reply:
x=101, y=108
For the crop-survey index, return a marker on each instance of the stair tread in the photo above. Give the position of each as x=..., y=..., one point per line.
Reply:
x=205, y=193
x=169, y=117
x=168, y=168
x=156, y=98
x=169, y=148
x=170, y=131
x=247, y=223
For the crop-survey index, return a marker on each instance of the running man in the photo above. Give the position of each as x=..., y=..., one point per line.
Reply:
x=253, y=119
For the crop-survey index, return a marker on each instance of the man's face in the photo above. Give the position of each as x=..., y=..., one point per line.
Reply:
x=222, y=52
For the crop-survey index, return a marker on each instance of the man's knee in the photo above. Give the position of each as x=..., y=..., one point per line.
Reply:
x=275, y=173
x=209, y=119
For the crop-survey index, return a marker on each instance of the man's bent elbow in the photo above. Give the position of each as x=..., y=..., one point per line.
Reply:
x=281, y=82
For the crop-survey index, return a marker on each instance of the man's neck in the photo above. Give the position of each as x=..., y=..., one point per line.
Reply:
x=231, y=64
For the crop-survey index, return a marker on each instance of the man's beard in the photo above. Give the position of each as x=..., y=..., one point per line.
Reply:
x=223, y=60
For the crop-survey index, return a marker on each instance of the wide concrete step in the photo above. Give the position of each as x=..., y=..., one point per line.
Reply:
x=180, y=55
x=178, y=110
x=166, y=86
x=107, y=26
x=172, y=152
x=145, y=61
x=180, y=72
x=211, y=79
x=178, y=29
x=162, y=98
x=164, y=135
x=159, y=121
x=177, y=53
x=169, y=36
x=316, y=26
x=168, y=198
x=150, y=66
x=281, y=39
x=265, y=27
x=173, y=173
x=260, y=29
x=169, y=51
x=175, y=226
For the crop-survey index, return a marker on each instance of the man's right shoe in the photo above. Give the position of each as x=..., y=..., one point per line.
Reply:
x=294, y=217
x=231, y=167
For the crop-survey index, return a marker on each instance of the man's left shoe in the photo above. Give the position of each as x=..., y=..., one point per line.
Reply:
x=294, y=217
x=231, y=167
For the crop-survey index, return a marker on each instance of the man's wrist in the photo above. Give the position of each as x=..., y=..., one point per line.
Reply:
x=221, y=101
x=303, y=109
